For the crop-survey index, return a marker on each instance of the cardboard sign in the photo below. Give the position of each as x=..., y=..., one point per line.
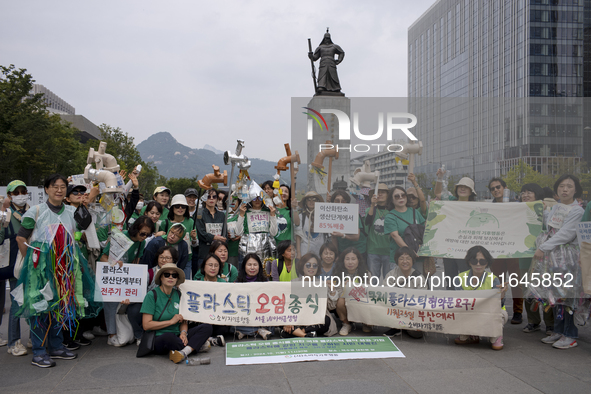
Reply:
x=330, y=217
x=115, y=284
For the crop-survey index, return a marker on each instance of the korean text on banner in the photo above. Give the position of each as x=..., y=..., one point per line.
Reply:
x=506, y=230
x=119, y=284
x=448, y=312
x=329, y=217
x=252, y=304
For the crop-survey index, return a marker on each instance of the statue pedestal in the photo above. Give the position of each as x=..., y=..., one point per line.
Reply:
x=340, y=166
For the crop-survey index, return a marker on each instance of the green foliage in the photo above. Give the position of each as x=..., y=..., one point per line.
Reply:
x=522, y=174
x=179, y=185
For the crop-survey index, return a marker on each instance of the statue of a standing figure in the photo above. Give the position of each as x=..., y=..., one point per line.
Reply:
x=328, y=79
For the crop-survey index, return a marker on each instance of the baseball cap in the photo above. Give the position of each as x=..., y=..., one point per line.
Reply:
x=161, y=189
x=191, y=191
x=71, y=188
x=14, y=184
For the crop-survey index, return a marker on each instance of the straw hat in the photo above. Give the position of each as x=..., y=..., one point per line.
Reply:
x=381, y=186
x=465, y=181
x=309, y=195
x=170, y=267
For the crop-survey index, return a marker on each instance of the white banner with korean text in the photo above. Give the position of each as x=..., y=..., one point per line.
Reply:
x=116, y=284
x=506, y=230
x=252, y=304
x=448, y=312
x=329, y=217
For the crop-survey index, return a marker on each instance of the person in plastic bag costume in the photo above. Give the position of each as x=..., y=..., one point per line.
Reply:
x=556, y=264
x=257, y=227
x=55, y=287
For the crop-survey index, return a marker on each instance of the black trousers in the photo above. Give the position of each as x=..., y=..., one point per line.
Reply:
x=169, y=341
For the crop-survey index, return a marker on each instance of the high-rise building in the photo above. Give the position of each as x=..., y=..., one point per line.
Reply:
x=493, y=82
x=54, y=103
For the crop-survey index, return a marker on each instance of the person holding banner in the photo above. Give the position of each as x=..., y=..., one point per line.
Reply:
x=137, y=233
x=477, y=278
x=228, y=272
x=406, y=277
x=251, y=271
x=350, y=267
x=160, y=313
x=211, y=271
x=396, y=222
x=210, y=227
x=558, y=256
x=344, y=241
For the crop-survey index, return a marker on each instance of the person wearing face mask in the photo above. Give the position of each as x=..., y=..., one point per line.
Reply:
x=16, y=205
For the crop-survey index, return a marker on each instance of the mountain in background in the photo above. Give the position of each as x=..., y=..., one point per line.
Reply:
x=214, y=150
x=175, y=160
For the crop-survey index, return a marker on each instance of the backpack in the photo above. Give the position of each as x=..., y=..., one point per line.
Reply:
x=413, y=235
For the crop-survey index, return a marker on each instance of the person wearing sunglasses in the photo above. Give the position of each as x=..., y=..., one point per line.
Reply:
x=282, y=268
x=142, y=228
x=15, y=204
x=396, y=222
x=210, y=226
x=478, y=258
x=160, y=311
x=308, y=267
x=179, y=213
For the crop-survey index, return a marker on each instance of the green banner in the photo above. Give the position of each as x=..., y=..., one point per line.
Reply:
x=310, y=349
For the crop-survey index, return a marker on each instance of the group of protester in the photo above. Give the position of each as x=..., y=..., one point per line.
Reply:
x=226, y=240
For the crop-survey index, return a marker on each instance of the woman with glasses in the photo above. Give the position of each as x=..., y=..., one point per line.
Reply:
x=160, y=311
x=179, y=213
x=210, y=226
x=396, y=222
x=308, y=267
x=257, y=226
x=478, y=258
x=138, y=232
x=228, y=273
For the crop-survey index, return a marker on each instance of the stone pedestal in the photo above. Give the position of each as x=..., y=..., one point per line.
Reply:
x=340, y=167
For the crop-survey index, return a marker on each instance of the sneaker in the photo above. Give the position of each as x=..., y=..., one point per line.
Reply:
x=206, y=347
x=99, y=332
x=552, y=338
x=71, y=345
x=18, y=349
x=367, y=328
x=217, y=341
x=392, y=332
x=176, y=356
x=43, y=361
x=29, y=344
x=517, y=318
x=346, y=329
x=265, y=334
x=63, y=354
x=83, y=341
x=311, y=334
x=549, y=330
x=3, y=342
x=467, y=340
x=565, y=343
x=531, y=328
x=88, y=335
x=114, y=341
x=498, y=343
x=240, y=335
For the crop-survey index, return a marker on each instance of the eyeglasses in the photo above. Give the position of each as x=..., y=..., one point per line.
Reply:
x=76, y=192
x=311, y=265
x=497, y=187
x=179, y=206
x=399, y=196
x=142, y=234
x=411, y=197
x=169, y=274
x=23, y=193
x=479, y=262
x=212, y=197
x=258, y=199
x=165, y=258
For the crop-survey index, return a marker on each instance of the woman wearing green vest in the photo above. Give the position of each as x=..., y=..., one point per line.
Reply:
x=282, y=268
x=476, y=278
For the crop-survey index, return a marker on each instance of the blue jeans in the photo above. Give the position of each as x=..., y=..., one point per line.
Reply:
x=248, y=331
x=565, y=326
x=110, y=309
x=135, y=318
x=378, y=263
x=39, y=327
x=14, y=323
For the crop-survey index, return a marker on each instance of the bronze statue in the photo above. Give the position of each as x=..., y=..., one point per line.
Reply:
x=328, y=79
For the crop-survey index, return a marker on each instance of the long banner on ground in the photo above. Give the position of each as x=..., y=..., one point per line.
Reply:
x=252, y=304
x=448, y=312
x=506, y=230
x=310, y=349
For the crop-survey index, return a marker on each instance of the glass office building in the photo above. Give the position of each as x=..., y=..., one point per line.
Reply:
x=493, y=82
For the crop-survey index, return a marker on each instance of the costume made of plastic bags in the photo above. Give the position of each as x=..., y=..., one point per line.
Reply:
x=55, y=277
x=256, y=237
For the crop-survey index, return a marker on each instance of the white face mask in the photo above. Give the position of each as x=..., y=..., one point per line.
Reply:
x=139, y=205
x=20, y=200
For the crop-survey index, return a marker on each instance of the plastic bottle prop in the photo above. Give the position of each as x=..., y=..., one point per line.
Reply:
x=444, y=192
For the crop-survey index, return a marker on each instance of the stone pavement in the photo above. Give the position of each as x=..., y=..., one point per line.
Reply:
x=432, y=365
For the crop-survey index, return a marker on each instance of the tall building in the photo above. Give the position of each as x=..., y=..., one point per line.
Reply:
x=54, y=103
x=493, y=82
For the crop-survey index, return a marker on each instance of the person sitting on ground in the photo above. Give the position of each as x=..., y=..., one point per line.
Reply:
x=282, y=268
x=328, y=256
x=211, y=270
x=228, y=272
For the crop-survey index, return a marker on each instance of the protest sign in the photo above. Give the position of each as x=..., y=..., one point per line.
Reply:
x=258, y=222
x=506, y=230
x=310, y=349
x=252, y=304
x=584, y=237
x=114, y=284
x=329, y=217
x=119, y=244
x=476, y=312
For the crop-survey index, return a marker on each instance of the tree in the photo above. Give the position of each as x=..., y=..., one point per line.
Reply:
x=522, y=174
x=179, y=185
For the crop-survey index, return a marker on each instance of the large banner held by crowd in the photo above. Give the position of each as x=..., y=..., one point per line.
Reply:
x=252, y=304
x=446, y=312
x=506, y=230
